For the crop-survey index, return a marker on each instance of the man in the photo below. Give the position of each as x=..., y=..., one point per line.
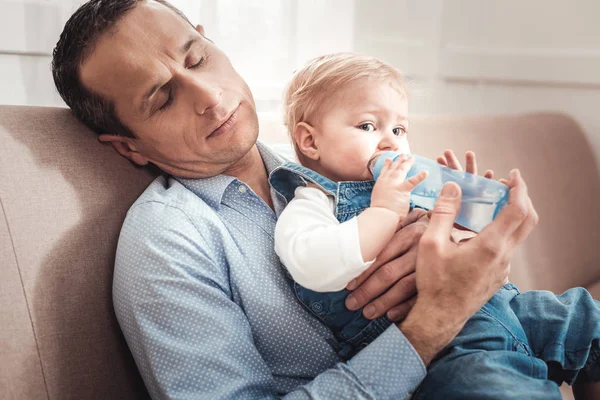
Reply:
x=198, y=290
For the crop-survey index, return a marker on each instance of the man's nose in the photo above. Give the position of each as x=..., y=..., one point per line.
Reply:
x=204, y=95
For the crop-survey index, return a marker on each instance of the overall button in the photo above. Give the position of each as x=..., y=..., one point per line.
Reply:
x=242, y=189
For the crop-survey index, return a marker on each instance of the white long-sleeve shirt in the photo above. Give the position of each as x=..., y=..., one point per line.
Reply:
x=320, y=253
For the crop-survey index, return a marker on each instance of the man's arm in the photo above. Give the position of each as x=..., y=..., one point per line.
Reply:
x=191, y=340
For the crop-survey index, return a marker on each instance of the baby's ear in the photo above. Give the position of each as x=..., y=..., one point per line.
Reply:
x=306, y=141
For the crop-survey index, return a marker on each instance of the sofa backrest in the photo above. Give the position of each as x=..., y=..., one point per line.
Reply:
x=63, y=199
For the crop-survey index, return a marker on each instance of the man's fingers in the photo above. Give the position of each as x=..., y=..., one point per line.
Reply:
x=512, y=216
x=404, y=239
x=452, y=160
x=489, y=174
x=444, y=213
x=403, y=290
x=381, y=279
x=413, y=216
x=356, y=282
x=530, y=222
x=442, y=160
x=399, y=313
x=471, y=163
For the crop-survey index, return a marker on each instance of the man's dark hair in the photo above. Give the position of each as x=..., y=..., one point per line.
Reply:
x=76, y=43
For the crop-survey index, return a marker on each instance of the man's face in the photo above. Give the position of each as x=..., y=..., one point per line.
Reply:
x=191, y=113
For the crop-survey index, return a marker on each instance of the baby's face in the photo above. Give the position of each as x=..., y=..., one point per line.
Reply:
x=357, y=123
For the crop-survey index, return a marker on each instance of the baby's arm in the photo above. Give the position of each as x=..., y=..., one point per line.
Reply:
x=319, y=252
x=323, y=254
x=390, y=202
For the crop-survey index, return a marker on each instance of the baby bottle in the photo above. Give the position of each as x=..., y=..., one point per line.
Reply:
x=482, y=198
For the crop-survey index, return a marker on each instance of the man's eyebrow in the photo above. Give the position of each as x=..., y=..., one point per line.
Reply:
x=188, y=44
x=183, y=49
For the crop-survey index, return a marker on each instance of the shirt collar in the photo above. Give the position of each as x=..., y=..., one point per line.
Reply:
x=212, y=189
x=270, y=157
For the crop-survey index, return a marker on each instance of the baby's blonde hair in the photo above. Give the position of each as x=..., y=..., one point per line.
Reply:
x=320, y=77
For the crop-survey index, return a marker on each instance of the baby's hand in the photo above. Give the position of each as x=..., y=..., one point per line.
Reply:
x=392, y=189
x=449, y=160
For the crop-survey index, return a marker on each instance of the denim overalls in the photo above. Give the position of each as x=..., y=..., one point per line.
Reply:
x=351, y=329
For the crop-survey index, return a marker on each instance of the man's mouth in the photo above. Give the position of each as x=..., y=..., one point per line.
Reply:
x=225, y=124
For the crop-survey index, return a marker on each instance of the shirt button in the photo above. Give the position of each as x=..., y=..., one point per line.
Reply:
x=242, y=189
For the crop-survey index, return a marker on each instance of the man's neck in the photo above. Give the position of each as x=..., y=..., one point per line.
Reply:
x=252, y=171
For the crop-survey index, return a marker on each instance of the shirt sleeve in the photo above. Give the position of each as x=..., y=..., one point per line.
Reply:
x=320, y=253
x=190, y=340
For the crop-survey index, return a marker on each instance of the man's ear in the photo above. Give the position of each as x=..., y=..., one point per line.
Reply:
x=125, y=147
x=200, y=30
x=305, y=137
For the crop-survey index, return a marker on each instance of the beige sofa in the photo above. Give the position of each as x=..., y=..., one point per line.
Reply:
x=63, y=197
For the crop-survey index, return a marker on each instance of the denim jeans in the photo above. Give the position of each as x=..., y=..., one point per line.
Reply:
x=519, y=346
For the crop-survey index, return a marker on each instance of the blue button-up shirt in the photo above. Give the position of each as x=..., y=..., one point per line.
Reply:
x=208, y=312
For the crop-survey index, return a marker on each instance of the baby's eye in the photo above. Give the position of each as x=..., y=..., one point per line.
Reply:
x=368, y=127
x=399, y=131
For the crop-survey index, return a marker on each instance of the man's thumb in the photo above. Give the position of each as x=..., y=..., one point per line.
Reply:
x=445, y=211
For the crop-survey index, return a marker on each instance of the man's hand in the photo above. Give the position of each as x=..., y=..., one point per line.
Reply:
x=388, y=286
x=456, y=280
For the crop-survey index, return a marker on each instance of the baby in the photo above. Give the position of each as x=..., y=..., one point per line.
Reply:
x=342, y=111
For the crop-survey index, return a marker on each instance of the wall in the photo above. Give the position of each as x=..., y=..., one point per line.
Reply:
x=28, y=32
